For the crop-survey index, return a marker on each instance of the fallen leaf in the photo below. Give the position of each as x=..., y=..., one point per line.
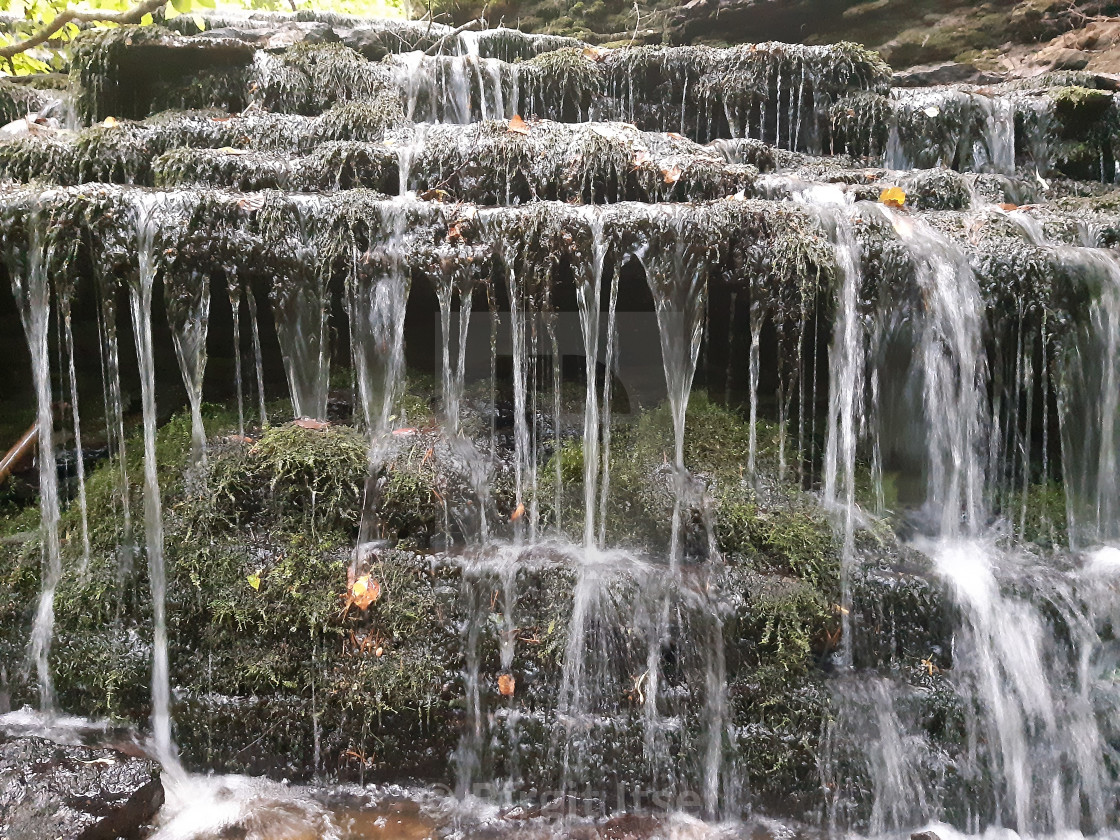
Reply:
x=932, y=111
x=408, y=430
x=254, y=580
x=594, y=53
x=518, y=513
x=1008, y=207
x=364, y=591
x=892, y=197
x=674, y=135
x=672, y=174
x=310, y=423
x=110, y=122
x=641, y=156
x=454, y=233
x=434, y=195
x=517, y=125
x=506, y=685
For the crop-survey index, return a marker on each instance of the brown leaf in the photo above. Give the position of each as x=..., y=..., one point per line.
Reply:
x=311, y=423
x=672, y=174
x=1009, y=207
x=594, y=53
x=506, y=685
x=674, y=135
x=518, y=513
x=517, y=125
x=455, y=233
x=641, y=157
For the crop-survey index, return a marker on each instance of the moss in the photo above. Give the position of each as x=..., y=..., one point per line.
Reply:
x=1079, y=107
x=1039, y=515
x=309, y=78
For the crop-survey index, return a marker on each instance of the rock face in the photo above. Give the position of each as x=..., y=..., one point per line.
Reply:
x=53, y=792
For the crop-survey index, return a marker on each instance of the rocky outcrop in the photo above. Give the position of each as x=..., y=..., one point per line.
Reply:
x=51, y=791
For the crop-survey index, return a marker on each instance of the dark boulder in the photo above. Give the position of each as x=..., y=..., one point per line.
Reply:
x=50, y=791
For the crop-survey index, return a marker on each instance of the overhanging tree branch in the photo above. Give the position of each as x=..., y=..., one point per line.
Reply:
x=450, y=36
x=133, y=15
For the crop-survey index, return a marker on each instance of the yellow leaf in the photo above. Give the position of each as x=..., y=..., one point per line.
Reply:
x=517, y=125
x=110, y=122
x=364, y=591
x=254, y=580
x=892, y=197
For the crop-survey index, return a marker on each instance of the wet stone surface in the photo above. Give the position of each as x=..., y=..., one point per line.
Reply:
x=50, y=791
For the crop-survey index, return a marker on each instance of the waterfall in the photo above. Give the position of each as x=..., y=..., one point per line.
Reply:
x=589, y=294
x=148, y=218
x=677, y=279
x=72, y=376
x=114, y=418
x=33, y=296
x=300, y=305
x=912, y=627
x=189, y=317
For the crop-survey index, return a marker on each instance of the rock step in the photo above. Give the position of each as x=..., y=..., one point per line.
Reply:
x=51, y=791
x=783, y=89
x=777, y=249
x=835, y=99
x=483, y=163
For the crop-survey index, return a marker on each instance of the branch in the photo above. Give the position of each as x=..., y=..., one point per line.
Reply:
x=438, y=45
x=133, y=15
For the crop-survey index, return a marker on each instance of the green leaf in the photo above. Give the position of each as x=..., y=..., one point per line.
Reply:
x=181, y=6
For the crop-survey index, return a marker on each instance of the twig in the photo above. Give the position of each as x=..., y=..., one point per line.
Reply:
x=133, y=15
x=438, y=45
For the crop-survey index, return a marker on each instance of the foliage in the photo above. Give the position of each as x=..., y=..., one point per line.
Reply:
x=28, y=18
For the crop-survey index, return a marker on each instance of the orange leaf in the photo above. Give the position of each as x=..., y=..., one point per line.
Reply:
x=517, y=125
x=309, y=423
x=672, y=174
x=1009, y=207
x=674, y=135
x=517, y=514
x=406, y=430
x=641, y=156
x=892, y=197
x=593, y=53
x=506, y=685
x=364, y=591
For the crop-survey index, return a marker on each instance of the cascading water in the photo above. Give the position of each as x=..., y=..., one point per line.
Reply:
x=33, y=296
x=148, y=216
x=582, y=591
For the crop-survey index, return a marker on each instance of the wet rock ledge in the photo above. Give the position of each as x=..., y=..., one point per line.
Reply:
x=50, y=791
